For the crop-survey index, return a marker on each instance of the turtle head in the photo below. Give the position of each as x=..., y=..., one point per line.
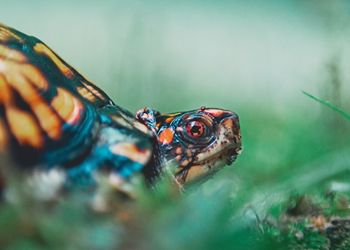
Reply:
x=199, y=141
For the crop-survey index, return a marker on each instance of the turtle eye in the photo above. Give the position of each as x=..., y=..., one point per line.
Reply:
x=195, y=129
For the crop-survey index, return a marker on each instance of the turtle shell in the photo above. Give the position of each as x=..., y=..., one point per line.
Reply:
x=51, y=115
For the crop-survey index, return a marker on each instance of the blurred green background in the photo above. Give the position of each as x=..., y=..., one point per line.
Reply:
x=253, y=57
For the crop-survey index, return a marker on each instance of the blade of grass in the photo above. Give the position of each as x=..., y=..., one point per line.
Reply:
x=329, y=105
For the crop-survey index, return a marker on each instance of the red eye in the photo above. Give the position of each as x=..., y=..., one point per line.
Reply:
x=195, y=129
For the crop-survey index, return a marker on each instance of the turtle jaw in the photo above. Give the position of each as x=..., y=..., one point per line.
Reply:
x=207, y=167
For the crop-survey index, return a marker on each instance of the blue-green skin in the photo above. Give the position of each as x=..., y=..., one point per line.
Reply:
x=102, y=157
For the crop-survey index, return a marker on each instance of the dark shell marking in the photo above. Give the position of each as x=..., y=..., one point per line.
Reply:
x=51, y=116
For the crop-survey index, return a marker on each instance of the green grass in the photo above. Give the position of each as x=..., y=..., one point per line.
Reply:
x=244, y=207
x=329, y=105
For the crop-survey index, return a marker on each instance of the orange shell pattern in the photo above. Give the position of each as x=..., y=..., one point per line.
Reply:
x=43, y=101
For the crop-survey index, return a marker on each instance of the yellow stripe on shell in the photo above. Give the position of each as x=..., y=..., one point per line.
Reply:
x=5, y=93
x=43, y=49
x=93, y=90
x=17, y=75
x=48, y=120
x=88, y=91
x=84, y=92
x=11, y=54
x=67, y=106
x=35, y=76
x=11, y=69
x=24, y=127
x=6, y=34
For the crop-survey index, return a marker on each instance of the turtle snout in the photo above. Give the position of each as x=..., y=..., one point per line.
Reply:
x=231, y=127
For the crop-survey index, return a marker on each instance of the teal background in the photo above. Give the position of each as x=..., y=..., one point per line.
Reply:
x=175, y=55
x=252, y=57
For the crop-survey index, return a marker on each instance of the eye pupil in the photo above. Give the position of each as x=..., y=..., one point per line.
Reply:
x=195, y=129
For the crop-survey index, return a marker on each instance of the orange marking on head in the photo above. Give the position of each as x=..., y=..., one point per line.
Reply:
x=169, y=120
x=228, y=123
x=166, y=136
x=24, y=127
x=67, y=106
x=214, y=112
x=132, y=152
x=42, y=49
x=11, y=54
x=3, y=136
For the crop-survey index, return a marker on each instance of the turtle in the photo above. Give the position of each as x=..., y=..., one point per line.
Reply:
x=51, y=117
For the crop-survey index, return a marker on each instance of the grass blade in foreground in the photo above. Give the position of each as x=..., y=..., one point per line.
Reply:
x=329, y=105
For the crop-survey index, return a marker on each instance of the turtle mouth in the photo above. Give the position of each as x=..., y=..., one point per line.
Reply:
x=207, y=167
x=228, y=155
